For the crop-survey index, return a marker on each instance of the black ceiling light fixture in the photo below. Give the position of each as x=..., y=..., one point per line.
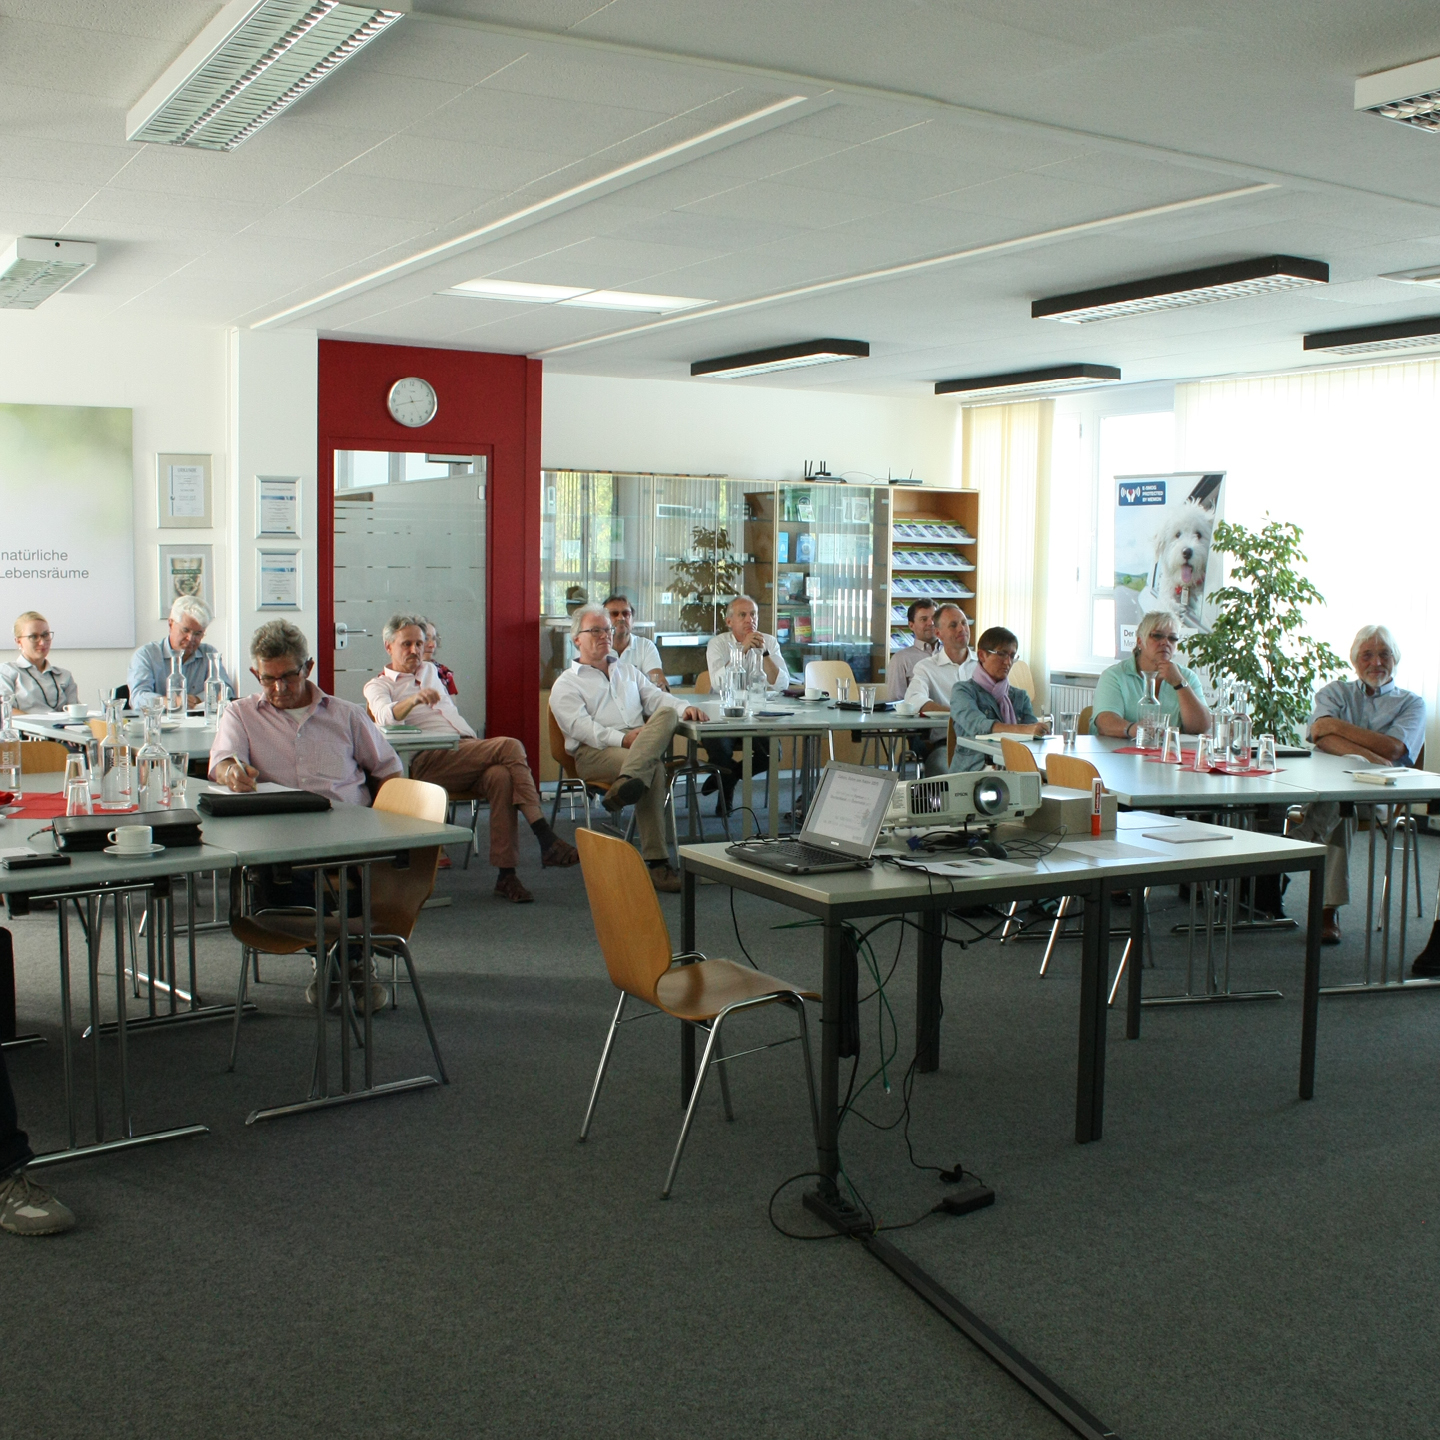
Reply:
x=1421, y=334
x=781, y=357
x=1020, y=382
x=1264, y=276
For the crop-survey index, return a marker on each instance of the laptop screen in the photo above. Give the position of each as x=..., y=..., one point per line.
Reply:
x=848, y=810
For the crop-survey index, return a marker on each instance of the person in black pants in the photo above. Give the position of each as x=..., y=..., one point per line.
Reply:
x=25, y=1208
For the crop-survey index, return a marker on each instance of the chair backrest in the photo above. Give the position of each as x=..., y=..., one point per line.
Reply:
x=97, y=727
x=1017, y=756
x=1082, y=723
x=702, y=683
x=632, y=932
x=558, y=753
x=42, y=757
x=397, y=896
x=824, y=673
x=1070, y=772
x=1022, y=678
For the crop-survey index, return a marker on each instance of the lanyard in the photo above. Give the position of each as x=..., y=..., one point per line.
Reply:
x=40, y=685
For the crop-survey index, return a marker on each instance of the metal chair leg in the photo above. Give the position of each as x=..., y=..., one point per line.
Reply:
x=799, y=1007
x=1055, y=930
x=724, y=1079
x=604, y=1065
x=694, y=1102
x=239, y=1006
x=422, y=1007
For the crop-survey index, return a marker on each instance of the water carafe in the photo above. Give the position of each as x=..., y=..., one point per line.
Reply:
x=1152, y=715
x=1240, y=727
x=115, y=771
x=214, y=689
x=9, y=752
x=175, y=688
x=152, y=768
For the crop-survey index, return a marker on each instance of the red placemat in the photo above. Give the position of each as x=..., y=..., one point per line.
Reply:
x=48, y=805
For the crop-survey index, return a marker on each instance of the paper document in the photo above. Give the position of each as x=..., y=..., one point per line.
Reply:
x=1179, y=835
x=973, y=867
x=265, y=787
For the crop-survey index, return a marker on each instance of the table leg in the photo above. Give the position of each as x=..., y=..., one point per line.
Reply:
x=322, y=993
x=121, y=1044
x=92, y=966
x=929, y=945
x=827, y=1142
x=1134, y=992
x=1314, y=919
x=747, y=783
x=67, y=1040
x=1094, y=972
x=687, y=944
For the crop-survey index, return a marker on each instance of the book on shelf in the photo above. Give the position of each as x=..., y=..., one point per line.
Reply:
x=805, y=548
x=782, y=548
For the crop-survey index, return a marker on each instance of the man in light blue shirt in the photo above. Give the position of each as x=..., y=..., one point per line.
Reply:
x=150, y=664
x=1370, y=717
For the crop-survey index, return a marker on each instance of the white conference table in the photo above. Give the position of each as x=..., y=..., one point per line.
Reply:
x=784, y=718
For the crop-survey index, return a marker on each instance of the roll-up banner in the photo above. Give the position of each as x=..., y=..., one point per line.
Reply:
x=1163, y=528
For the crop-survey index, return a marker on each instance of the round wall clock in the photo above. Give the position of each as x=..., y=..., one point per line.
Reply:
x=412, y=401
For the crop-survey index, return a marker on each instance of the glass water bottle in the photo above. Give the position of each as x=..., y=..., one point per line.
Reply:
x=214, y=689
x=1152, y=715
x=116, y=785
x=152, y=769
x=9, y=752
x=175, y=688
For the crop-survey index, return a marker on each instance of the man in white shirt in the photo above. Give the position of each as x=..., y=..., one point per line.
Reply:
x=618, y=726
x=936, y=676
x=901, y=665
x=739, y=638
x=410, y=692
x=634, y=649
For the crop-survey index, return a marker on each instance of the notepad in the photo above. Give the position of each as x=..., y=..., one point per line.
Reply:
x=1181, y=836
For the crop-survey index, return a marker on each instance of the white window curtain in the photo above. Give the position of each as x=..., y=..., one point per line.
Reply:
x=1006, y=452
x=1350, y=456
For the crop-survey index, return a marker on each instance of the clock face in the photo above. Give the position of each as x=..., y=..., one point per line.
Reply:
x=412, y=401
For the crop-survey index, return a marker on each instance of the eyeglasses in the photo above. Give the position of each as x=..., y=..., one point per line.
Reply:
x=279, y=682
x=1160, y=639
x=1007, y=655
x=38, y=635
x=596, y=630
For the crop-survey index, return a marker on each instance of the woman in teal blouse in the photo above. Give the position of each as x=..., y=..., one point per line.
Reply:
x=1121, y=688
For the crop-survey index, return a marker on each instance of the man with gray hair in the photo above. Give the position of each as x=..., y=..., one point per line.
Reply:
x=150, y=664
x=409, y=691
x=1370, y=717
x=617, y=724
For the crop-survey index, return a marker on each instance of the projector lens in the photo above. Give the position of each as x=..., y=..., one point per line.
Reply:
x=992, y=796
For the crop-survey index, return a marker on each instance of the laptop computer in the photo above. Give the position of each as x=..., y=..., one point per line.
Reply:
x=840, y=830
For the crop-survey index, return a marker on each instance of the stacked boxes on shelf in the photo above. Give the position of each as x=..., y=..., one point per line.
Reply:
x=932, y=553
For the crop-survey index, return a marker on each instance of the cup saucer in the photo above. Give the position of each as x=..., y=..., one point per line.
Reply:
x=153, y=849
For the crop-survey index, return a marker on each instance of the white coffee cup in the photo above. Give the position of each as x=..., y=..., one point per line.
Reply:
x=814, y=692
x=131, y=837
x=906, y=707
x=77, y=712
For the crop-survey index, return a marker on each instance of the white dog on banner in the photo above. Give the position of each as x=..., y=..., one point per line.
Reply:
x=1182, y=552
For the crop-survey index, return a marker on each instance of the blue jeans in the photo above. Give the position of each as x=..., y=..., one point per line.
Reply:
x=15, y=1150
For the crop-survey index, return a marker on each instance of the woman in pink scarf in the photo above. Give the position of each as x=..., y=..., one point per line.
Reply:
x=986, y=703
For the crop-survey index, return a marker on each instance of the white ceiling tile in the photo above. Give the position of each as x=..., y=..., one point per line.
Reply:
x=473, y=163
x=360, y=194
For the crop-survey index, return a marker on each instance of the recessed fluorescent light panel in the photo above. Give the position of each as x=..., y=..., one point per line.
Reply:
x=781, y=357
x=1409, y=94
x=1018, y=382
x=1368, y=339
x=575, y=295
x=34, y=269
x=1265, y=276
x=1425, y=275
x=255, y=58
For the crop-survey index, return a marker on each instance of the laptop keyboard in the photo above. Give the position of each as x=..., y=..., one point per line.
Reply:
x=800, y=854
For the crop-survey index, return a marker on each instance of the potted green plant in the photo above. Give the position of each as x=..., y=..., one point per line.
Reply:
x=714, y=574
x=1258, y=635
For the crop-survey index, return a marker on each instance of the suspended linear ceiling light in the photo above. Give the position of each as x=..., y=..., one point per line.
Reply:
x=255, y=58
x=33, y=269
x=781, y=357
x=1017, y=382
x=577, y=295
x=1367, y=339
x=1409, y=94
x=1264, y=276
x=1424, y=275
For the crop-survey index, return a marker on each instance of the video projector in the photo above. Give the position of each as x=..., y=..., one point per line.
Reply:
x=958, y=799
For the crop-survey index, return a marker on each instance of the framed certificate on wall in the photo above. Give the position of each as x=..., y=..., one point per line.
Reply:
x=186, y=570
x=186, y=494
x=277, y=580
x=277, y=505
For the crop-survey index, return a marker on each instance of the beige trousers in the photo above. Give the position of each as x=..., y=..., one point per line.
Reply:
x=645, y=761
x=1323, y=823
x=495, y=770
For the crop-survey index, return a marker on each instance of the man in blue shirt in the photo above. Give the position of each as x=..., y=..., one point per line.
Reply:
x=1370, y=717
x=150, y=664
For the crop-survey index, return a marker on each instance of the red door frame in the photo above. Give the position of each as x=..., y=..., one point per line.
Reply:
x=486, y=404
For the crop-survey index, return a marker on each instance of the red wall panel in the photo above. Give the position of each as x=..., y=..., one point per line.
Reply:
x=486, y=403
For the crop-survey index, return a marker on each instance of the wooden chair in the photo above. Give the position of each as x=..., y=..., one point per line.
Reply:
x=97, y=727
x=570, y=781
x=949, y=742
x=1082, y=721
x=636, y=946
x=397, y=895
x=1070, y=772
x=43, y=757
x=702, y=683
x=1022, y=678
x=1018, y=756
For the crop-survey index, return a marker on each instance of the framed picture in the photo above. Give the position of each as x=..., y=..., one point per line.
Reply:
x=183, y=483
x=277, y=505
x=277, y=580
x=186, y=570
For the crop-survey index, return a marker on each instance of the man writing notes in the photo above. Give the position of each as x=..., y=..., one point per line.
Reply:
x=901, y=666
x=618, y=726
x=936, y=677
x=1372, y=718
x=409, y=691
x=150, y=664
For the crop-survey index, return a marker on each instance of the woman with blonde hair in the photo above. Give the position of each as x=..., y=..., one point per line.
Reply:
x=30, y=682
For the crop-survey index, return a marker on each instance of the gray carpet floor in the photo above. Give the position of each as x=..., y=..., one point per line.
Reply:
x=1227, y=1262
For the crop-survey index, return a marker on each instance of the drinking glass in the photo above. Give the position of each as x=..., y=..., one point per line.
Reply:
x=179, y=775
x=867, y=697
x=1202, y=752
x=1069, y=720
x=77, y=796
x=1265, y=759
x=842, y=690
x=1170, y=745
x=75, y=771
x=1220, y=739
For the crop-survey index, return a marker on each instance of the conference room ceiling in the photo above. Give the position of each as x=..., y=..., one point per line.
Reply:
x=928, y=129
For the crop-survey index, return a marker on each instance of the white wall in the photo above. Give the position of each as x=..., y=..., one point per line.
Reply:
x=746, y=431
x=273, y=396
x=173, y=379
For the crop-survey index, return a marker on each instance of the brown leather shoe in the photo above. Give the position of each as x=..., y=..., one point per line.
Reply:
x=663, y=877
x=508, y=887
x=561, y=852
x=1329, y=926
